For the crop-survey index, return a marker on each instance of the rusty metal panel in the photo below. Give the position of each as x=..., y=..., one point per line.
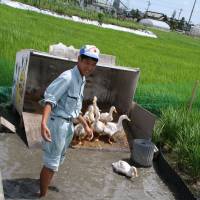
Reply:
x=19, y=79
x=141, y=125
x=113, y=85
x=7, y=124
x=32, y=128
x=42, y=71
x=1, y=188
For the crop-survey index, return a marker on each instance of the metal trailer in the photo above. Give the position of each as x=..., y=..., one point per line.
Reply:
x=113, y=85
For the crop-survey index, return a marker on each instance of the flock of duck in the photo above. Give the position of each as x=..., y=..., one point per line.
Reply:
x=101, y=123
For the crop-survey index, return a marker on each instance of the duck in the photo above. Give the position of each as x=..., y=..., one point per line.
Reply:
x=111, y=128
x=97, y=125
x=108, y=117
x=89, y=114
x=94, y=106
x=79, y=132
x=124, y=168
x=76, y=120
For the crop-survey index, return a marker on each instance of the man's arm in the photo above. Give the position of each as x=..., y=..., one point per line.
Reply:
x=88, y=130
x=45, y=132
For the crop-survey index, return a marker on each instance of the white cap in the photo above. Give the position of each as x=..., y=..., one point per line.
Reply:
x=90, y=51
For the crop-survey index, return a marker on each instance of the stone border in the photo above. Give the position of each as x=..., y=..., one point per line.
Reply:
x=173, y=180
x=1, y=188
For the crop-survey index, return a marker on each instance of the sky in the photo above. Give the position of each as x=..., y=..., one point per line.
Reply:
x=168, y=6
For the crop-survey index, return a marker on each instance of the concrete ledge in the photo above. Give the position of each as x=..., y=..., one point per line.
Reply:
x=141, y=124
x=1, y=189
x=173, y=180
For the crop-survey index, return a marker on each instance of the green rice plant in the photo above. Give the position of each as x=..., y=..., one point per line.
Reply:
x=169, y=64
x=173, y=121
x=5, y=94
x=194, y=161
x=158, y=128
x=181, y=130
x=188, y=153
x=6, y=71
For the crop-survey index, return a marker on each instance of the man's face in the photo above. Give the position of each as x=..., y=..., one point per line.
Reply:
x=86, y=66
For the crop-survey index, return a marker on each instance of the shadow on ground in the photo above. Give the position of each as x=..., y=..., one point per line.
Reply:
x=26, y=188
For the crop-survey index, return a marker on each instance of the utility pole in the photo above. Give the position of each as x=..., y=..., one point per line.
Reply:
x=148, y=5
x=180, y=11
x=192, y=12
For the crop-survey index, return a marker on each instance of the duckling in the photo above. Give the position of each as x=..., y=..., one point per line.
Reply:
x=124, y=168
x=111, y=128
x=108, y=117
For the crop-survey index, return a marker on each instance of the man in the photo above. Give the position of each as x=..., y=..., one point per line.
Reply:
x=63, y=102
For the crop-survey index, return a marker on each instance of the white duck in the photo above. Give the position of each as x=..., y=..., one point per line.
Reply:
x=94, y=106
x=76, y=120
x=124, y=168
x=108, y=117
x=98, y=126
x=79, y=132
x=89, y=114
x=111, y=128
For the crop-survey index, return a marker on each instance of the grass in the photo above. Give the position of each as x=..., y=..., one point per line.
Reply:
x=169, y=65
x=180, y=130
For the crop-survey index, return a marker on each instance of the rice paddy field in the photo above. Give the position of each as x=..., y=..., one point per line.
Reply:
x=169, y=66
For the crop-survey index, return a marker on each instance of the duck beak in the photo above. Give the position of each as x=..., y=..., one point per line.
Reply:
x=115, y=111
x=129, y=120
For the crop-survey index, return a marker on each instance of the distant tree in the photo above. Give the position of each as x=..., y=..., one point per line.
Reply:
x=165, y=19
x=173, y=24
x=181, y=23
x=132, y=13
x=88, y=2
x=145, y=15
x=100, y=18
x=173, y=14
x=113, y=13
x=135, y=13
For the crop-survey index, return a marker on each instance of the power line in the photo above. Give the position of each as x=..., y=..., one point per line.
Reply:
x=148, y=5
x=192, y=11
x=180, y=11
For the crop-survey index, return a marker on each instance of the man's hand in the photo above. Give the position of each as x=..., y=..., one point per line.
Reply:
x=45, y=132
x=89, y=132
